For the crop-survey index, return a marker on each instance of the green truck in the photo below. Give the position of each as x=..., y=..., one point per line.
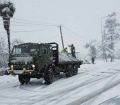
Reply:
x=34, y=60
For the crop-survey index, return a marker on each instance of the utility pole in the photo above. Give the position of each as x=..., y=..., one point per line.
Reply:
x=61, y=36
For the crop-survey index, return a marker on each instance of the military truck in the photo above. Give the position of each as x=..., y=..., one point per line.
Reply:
x=33, y=60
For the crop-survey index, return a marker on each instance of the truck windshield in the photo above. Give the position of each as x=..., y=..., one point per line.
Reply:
x=19, y=51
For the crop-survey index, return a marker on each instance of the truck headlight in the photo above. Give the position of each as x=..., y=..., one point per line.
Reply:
x=24, y=69
x=11, y=67
x=33, y=66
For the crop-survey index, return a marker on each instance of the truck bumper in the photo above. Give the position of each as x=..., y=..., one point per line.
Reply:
x=18, y=72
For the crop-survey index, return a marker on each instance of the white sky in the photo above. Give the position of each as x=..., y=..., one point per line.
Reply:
x=83, y=17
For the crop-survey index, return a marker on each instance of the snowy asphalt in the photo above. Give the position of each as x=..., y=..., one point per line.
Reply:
x=97, y=84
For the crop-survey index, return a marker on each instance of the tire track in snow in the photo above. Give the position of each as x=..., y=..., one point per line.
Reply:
x=88, y=73
x=58, y=93
x=95, y=93
x=88, y=81
x=62, y=92
x=54, y=94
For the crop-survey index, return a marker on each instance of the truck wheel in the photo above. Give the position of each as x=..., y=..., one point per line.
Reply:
x=75, y=72
x=49, y=76
x=24, y=79
x=69, y=73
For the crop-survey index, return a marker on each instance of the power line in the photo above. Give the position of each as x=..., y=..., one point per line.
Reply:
x=25, y=31
x=25, y=21
x=71, y=31
x=37, y=24
x=30, y=25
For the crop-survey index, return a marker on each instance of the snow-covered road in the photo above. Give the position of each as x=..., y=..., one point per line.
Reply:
x=97, y=84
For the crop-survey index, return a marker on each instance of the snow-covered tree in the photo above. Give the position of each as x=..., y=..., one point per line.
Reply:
x=7, y=11
x=111, y=34
x=3, y=52
x=2, y=45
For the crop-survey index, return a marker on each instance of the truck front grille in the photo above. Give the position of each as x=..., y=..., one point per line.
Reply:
x=20, y=67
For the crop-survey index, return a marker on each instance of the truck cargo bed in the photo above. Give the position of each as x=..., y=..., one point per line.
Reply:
x=67, y=58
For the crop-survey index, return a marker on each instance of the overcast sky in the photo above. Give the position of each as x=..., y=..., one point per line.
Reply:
x=81, y=20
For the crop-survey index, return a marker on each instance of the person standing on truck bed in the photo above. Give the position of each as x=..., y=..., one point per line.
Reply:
x=73, y=50
x=64, y=50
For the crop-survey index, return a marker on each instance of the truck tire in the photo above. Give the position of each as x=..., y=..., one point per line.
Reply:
x=6, y=72
x=49, y=76
x=75, y=72
x=69, y=71
x=24, y=79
